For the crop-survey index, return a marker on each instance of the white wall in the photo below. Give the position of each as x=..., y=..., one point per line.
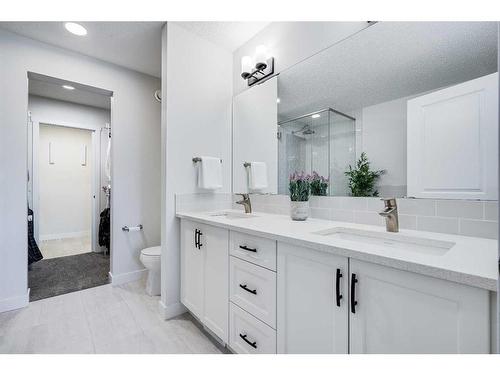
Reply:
x=384, y=141
x=292, y=42
x=65, y=184
x=135, y=155
x=196, y=120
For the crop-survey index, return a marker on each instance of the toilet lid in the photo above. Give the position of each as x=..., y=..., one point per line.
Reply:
x=152, y=251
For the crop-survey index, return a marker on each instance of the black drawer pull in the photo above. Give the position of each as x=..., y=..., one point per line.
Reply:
x=337, y=287
x=248, y=290
x=199, y=239
x=252, y=344
x=196, y=238
x=245, y=247
x=353, y=293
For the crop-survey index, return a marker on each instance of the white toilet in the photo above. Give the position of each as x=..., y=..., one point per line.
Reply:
x=151, y=259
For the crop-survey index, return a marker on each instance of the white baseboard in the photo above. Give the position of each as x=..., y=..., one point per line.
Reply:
x=16, y=302
x=171, y=311
x=58, y=236
x=122, y=278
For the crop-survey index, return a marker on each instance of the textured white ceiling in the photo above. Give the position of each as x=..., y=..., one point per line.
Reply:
x=51, y=88
x=386, y=61
x=133, y=45
x=229, y=35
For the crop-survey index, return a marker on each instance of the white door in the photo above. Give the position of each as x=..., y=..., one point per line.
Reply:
x=255, y=115
x=192, y=268
x=402, y=312
x=310, y=317
x=215, y=245
x=453, y=142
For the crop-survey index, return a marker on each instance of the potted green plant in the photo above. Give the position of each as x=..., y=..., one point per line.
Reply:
x=319, y=185
x=300, y=188
x=362, y=180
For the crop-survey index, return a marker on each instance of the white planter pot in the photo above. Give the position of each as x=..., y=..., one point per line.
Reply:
x=299, y=210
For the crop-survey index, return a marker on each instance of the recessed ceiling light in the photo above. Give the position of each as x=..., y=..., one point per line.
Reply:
x=278, y=100
x=68, y=87
x=75, y=28
x=316, y=115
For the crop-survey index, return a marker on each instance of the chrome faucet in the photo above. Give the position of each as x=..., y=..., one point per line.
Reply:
x=245, y=201
x=391, y=214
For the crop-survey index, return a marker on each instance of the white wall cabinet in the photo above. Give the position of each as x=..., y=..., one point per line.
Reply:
x=311, y=318
x=453, y=142
x=204, y=275
x=404, y=312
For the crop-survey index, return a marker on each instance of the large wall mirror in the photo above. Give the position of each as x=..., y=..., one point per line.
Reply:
x=434, y=80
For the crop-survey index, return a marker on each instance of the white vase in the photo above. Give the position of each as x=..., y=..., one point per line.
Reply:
x=299, y=211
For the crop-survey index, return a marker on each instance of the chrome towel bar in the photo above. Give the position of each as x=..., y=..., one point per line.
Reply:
x=198, y=159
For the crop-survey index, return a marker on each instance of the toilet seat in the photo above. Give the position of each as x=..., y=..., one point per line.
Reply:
x=154, y=251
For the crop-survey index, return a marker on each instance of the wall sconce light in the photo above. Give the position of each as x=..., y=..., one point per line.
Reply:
x=254, y=70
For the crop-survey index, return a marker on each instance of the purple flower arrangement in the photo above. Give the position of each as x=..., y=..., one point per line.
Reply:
x=319, y=184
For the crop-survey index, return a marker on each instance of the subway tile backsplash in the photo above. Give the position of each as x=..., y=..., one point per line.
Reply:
x=468, y=218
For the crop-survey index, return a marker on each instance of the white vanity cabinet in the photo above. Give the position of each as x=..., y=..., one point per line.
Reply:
x=312, y=311
x=403, y=312
x=204, y=275
x=252, y=294
x=382, y=309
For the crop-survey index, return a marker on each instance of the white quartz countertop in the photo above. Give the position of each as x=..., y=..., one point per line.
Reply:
x=471, y=261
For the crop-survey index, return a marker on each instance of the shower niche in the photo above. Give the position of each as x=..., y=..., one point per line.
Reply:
x=323, y=141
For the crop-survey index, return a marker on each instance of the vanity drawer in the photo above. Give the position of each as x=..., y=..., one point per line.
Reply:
x=248, y=335
x=253, y=288
x=257, y=250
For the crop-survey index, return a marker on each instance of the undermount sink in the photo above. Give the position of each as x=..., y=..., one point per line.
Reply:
x=231, y=215
x=391, y=240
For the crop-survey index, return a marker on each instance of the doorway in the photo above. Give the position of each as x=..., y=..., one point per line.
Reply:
x=69, y=186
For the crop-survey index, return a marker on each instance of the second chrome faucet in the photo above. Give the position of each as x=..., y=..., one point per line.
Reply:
x=390, y=213
x=245, y=201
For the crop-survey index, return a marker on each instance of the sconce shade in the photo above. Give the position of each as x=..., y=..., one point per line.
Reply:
x=261, y=57
x=246, y=66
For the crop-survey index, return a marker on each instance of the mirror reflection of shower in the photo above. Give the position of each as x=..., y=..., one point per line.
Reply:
x=323, y=141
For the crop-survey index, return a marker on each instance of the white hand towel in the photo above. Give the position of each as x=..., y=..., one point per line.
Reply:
x=258, y=176
x=210, y=173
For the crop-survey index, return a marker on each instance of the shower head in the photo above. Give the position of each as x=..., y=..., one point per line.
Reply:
x=306, y=130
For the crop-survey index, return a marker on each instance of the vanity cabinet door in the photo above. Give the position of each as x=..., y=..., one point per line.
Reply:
x=308, y=317
x=192, y=269
x=215, y=243
x=393, y=311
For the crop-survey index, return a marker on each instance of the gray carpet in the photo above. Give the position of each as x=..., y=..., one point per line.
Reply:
x=52, y=277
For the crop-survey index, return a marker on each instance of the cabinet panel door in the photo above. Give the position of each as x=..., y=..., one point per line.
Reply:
x=191, y=269
x=403, y=312
x=215, y=243
x=308, y=318
x=453, y=141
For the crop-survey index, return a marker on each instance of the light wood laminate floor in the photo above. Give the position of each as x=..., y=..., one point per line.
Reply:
x=106, y=319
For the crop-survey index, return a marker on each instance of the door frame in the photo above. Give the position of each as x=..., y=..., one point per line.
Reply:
x=95, y=175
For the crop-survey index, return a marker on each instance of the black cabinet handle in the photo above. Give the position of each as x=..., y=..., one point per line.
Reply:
x=245, y=247
x=196, y=238
x=248, y=290
x=252, y=344
x=199, y=239
x=337, y=287
x=353, y=293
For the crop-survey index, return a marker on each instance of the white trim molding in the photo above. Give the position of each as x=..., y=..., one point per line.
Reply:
x=123, y=278
x=171, y=311
x=13, y=303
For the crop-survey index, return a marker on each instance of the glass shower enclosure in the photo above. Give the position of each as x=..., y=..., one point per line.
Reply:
x=322, y=142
